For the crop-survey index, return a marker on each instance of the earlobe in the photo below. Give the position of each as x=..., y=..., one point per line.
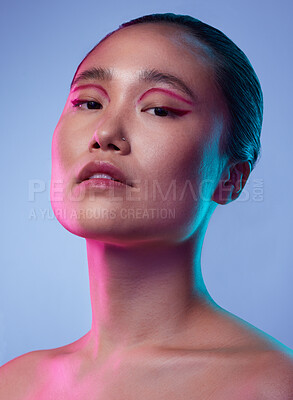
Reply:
x=232, y=182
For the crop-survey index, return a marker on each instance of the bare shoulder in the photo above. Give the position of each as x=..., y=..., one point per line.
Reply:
x=258, y=366
x=271, y=362
x=240, y=333
x=20, y=376
x=27, y=376
x=274, y=376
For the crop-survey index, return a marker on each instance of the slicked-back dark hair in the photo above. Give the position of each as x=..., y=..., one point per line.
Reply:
x=234, y=76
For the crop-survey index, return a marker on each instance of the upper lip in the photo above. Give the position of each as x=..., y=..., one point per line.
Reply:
x=95, y=167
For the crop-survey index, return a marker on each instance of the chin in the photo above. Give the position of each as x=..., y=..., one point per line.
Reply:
x=116, y=225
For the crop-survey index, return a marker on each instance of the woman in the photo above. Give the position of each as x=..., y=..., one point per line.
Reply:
x=161, y=125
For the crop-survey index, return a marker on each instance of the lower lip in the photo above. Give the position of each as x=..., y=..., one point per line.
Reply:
x=102, y=183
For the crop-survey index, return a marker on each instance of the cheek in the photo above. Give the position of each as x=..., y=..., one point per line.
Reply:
x=67, y=146
x=171, y=171
x=186, y=165
x=177, y=157
x=65, y=153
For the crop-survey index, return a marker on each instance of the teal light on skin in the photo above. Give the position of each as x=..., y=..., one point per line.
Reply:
x=158, y=149
x=146, y=284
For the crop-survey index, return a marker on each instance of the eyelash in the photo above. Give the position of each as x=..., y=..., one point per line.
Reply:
x=78, y=103
x=172, y=113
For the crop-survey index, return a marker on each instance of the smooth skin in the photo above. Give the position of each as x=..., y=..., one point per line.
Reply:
x=156, y=333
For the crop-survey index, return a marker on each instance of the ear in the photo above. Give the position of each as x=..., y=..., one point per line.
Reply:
x=232, y=182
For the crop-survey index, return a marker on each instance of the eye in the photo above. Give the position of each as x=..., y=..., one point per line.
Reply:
x=87, y=104
x=161, y=112
x=166, y=112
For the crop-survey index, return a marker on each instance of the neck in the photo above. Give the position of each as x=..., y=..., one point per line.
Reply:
x=142, y=294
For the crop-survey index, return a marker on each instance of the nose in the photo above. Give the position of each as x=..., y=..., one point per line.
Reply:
x=110, y=135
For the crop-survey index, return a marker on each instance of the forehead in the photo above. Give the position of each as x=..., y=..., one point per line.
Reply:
x=161, y=46
x=158, y=35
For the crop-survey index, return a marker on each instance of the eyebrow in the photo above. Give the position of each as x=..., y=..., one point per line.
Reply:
x=149, y=76
x=102, y=74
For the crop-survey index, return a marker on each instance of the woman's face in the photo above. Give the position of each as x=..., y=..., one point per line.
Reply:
x=153, y=85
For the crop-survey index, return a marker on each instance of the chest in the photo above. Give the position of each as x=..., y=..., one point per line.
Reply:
x=170, y=380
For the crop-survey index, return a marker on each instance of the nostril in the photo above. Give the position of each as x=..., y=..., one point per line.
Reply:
x=113, y=145
x=96, y=145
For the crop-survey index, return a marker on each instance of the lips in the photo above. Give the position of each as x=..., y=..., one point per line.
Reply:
x=95, y=167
